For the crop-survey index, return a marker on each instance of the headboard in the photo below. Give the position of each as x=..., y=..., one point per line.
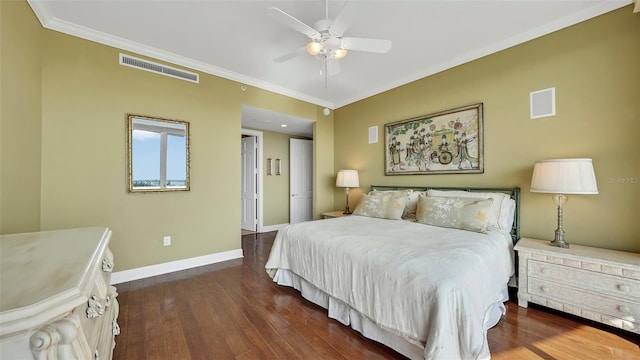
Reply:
x=514, y=193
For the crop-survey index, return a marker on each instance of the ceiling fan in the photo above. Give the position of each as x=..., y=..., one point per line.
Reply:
x=327, y=40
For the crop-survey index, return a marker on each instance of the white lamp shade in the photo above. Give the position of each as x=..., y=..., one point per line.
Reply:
x=564, y=176
x=347, y=178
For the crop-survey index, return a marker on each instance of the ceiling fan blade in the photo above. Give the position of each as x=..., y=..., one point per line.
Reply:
x=333, y=67
x=292, y=22
x=339, y=24
x=365, y=44
x=291, y=55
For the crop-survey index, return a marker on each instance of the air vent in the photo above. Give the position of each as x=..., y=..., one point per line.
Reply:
x=147, y=65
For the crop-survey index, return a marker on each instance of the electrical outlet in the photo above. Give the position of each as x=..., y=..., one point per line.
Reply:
x=167, y=240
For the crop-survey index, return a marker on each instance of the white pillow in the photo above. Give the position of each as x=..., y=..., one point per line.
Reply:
x=503, y=208
x=508, y=211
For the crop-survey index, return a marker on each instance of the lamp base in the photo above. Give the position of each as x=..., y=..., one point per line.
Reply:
x=347, y=211
x=559, y=240
x=562, y=244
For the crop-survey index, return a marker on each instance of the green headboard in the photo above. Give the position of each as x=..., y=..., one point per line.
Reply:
x=514, y=193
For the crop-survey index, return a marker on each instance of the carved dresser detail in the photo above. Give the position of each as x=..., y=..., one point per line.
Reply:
x=56, y=301
x=597, y=284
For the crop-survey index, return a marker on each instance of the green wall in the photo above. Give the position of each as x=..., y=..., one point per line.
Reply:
x=594, y=68
x=75, y=137
x=20, y=118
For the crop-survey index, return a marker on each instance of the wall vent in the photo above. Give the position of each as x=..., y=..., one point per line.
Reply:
x=542, y=103
x=128, y=60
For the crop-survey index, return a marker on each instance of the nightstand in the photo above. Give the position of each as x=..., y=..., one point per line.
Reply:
x=598, y=284
x=334, y=214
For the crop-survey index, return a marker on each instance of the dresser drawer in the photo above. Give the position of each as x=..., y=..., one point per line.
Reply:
x=612, y=306
x=585, y=279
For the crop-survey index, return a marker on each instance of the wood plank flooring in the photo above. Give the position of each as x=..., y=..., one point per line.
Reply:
x=233, y=310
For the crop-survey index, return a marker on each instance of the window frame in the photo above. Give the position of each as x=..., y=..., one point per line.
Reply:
x=164, y=127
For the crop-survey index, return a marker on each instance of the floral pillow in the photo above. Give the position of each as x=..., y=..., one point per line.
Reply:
x=412, y=200
x=503, y=206
x=455, y=212
x=385, y=207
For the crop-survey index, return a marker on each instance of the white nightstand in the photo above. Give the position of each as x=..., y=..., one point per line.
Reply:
x=597, y=284
x=334, y=214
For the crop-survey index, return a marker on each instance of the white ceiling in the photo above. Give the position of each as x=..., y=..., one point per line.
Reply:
x=237, y=40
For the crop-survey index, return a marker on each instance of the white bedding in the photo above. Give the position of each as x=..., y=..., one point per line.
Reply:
x=432, y=286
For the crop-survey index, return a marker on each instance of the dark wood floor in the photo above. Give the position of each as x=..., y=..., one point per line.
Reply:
x=232, y=310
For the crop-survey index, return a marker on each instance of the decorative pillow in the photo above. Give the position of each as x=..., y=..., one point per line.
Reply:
x=385, y=207
x=455, y=212
x=412, y=200
x=503, y=207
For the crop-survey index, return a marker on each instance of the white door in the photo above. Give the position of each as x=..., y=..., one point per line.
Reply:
x=249, y=181
x=301, y=180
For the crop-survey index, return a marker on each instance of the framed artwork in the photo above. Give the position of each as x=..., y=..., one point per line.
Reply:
x=278, y=167
x=446, y=142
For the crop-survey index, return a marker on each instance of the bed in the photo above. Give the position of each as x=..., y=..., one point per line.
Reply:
x=411, y=268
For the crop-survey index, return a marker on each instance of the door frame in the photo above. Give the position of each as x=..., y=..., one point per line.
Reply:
x=259, y=136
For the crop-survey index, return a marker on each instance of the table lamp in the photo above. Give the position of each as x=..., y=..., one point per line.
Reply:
x=561, y=177
x=347, y=179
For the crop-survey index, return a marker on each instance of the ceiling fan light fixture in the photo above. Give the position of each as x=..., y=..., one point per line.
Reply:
x=314, y=48
x=340, y=53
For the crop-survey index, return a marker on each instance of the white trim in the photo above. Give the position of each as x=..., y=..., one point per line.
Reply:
x=46, y=18
x=259, y=162
x=168, y=267
x=548, y=28
x=270, y=228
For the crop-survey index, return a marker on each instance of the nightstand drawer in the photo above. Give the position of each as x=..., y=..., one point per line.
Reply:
x=585, y=279
x=603, y=304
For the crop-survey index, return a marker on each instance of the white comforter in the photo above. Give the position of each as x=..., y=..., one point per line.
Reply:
x=433, y=286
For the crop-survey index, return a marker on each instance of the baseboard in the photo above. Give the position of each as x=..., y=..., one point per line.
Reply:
x=273, y=228
x=168, y=267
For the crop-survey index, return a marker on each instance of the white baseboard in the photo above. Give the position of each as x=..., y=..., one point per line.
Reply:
x=273, y=228
x=168, y=267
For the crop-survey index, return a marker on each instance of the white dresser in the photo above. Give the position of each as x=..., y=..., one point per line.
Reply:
x=55, y=298
x=597, y=284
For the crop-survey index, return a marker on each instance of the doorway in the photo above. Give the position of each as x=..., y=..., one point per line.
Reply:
x=251, y=181
x=301, y=180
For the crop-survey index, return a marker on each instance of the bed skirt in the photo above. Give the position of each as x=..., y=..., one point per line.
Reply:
x=345, y=314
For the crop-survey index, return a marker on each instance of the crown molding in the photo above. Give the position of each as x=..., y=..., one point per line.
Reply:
x=49, y=21
x=575, y=18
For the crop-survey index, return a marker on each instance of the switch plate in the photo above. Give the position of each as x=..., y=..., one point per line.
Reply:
x=167, y=240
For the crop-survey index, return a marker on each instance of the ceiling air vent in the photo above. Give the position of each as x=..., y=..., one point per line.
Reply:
x=147, y=65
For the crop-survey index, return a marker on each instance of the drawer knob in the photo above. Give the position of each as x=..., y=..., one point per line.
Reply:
x=624, y=288
x=544, y=289
x=623, y=309
x=544, y=271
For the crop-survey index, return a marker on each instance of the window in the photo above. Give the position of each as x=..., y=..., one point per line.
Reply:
x=158, y=154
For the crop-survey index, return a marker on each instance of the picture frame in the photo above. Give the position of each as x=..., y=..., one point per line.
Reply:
x=445, y=142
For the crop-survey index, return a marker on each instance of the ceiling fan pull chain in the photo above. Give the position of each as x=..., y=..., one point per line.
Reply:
x=325, y=72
